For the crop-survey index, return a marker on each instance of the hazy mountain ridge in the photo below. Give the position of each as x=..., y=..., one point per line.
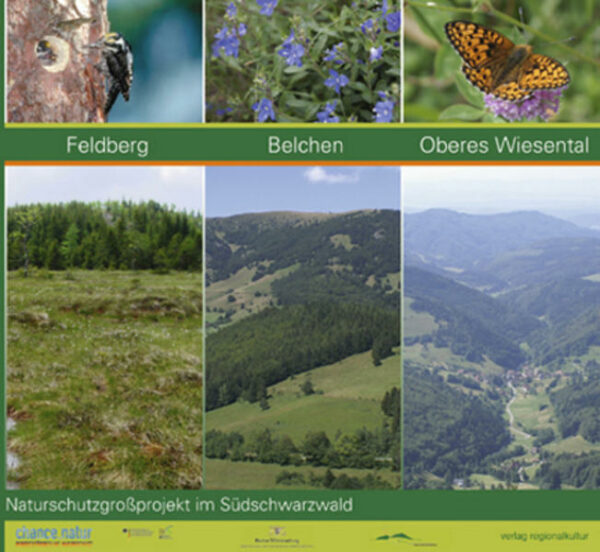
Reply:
x=448, y=239
x=543, y=279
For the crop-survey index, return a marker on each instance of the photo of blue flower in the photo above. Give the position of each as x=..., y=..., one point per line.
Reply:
x=302, y=62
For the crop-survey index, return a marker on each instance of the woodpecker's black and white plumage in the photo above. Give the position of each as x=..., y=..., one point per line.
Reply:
x=117, y=67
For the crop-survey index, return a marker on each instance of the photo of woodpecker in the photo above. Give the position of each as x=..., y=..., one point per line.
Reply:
x=78, y=65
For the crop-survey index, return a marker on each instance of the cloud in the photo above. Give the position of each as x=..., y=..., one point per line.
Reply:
x=319, y=174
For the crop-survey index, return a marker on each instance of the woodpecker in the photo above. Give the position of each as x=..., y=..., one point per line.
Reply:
x=117, y=67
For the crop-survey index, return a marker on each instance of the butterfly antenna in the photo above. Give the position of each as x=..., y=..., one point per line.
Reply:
x=522, y=15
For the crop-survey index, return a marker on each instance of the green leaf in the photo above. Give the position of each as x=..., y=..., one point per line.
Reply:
x=446, y=63
x=462, y=112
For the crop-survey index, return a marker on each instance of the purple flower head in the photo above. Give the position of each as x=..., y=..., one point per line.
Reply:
x=336, y=81
x=291, y=51
x=542, y=103
x=384, y=109
x=242, y=29
x=231, y=10
x=264, y=110
x=227, y=41
x=375, y=53
x=393, y=21
x=333, y=53
x=327, y=116
x=367, y=26
x=267, y=6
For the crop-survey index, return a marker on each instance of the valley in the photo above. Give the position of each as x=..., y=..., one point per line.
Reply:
x=511, y=328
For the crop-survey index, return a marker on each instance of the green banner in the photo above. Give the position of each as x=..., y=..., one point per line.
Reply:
x=307, y=505
x=302, y=144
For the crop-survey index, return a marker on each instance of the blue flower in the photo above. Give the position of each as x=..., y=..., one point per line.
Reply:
x=393, y=21
x=384, y=110
x=291, y=51
x=242, y=29
x=367, y=26
x=333, y=53
x=375, y=53
x=327, y=116
x=267, y=6
x=227, y=41
x=264, y=110
x=224, y=111
x=231, y=10
x=336, y=81
x=384, y=7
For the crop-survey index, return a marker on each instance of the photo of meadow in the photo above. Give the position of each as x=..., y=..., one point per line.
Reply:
x=104, y=337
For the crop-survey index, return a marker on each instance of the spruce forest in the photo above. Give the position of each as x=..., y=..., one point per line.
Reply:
x=114, y=235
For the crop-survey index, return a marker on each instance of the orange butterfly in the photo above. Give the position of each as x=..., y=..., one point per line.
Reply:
x=497, y=66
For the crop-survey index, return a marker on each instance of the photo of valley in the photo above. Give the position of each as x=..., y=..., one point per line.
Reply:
x=501, y=342
x=104, y=336
x=303, y=374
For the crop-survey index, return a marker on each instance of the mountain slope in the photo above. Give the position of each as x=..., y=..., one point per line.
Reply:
x=367, y=242
x=473, y=323
x=448, y=239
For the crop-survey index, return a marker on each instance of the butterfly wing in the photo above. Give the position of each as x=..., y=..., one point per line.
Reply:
x=542, y=72
x=481, y=77
x=477, y=45
x=511, y=91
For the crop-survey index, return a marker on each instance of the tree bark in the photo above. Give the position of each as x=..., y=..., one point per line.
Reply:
x=51, y=73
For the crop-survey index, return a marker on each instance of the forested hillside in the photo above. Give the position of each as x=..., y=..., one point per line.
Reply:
x=472, y=324
x=366, y=242
x=246, y=357
x=447, y=432
x=112, y=235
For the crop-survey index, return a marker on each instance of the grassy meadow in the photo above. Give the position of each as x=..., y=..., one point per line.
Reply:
x=241, y=295
x=352, y=385
x=226, y=474
x=104, y=379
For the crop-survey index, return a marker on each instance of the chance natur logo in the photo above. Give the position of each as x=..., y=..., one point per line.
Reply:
x=53, y=534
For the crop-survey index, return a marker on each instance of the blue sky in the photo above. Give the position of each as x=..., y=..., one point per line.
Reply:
x=236, y=190
x=171, y=185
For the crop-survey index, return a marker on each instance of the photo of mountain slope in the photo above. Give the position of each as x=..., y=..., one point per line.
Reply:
x=303, y=328
x=501, y=327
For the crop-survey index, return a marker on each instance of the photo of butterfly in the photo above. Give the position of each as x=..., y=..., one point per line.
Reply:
x=497, y=66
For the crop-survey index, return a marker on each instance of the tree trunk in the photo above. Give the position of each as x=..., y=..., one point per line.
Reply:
x=51, y=75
